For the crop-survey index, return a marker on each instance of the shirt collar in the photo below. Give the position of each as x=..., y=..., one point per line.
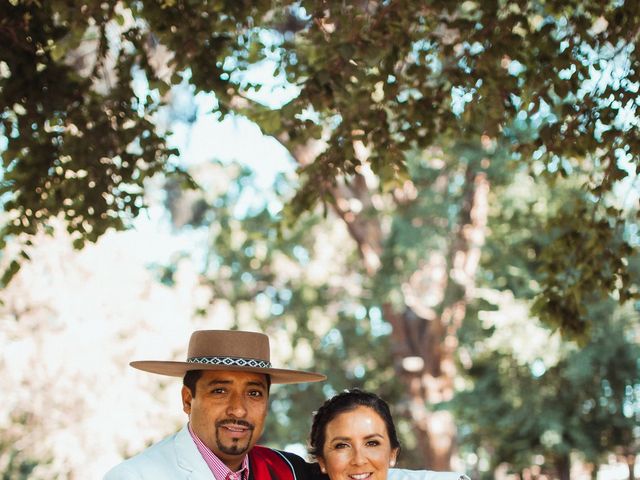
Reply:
x=218, y=468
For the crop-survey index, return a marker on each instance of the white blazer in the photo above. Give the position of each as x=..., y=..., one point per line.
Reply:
x=399, y=474
x=177, y=457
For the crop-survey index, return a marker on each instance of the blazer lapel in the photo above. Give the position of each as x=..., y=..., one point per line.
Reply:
x=189, y=458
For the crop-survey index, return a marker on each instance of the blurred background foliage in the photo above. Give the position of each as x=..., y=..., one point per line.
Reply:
x=460, y=234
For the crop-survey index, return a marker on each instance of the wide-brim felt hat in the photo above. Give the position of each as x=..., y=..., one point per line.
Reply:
x=228, y=350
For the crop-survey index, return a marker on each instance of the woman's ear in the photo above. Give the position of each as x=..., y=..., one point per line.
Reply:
x=323, y=465
x=394, y=457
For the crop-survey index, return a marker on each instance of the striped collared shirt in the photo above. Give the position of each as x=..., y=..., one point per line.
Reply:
x=218, y=468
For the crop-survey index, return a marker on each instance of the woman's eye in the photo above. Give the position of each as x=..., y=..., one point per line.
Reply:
x=339, y=446
x=373, y=443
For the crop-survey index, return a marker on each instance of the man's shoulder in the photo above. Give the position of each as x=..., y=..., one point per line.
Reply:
x=151, y=461
x=400, y=474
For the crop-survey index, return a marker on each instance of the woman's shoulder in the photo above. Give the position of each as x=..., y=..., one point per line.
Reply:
x=400, y=474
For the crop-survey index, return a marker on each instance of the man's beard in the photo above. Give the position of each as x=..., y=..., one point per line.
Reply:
x=235, y=448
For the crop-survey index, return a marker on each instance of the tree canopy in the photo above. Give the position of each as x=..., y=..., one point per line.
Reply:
x=311, y=293
x=531, y=393
x=554, y=82
x=458, y=148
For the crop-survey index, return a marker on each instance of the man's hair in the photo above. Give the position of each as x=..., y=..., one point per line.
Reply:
x=191, y=378
x=345, y=402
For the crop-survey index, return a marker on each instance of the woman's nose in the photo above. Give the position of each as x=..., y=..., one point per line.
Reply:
x=358, y=457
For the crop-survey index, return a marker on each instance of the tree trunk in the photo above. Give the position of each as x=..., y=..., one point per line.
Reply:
x=424, y=336
x=563, y=467
x=425, y=345
x=631, y=464
x=428, y=382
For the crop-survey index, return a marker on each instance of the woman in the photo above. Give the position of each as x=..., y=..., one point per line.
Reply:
x=353, y=437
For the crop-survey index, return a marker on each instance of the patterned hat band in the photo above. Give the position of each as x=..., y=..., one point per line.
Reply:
x=230, y=361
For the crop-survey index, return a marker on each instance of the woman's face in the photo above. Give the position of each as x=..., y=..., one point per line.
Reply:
x=357, y=446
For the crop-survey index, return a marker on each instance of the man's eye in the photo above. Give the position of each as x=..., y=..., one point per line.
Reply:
x=256, y=393
x=218, y=391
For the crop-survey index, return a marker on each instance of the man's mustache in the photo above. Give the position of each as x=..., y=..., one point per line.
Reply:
x=230, y=421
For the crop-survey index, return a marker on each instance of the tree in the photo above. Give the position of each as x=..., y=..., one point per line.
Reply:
x=303, y=288
x=552, y=402
x=421, y=332
x=543, y=85
x=71, y=323
x=386, y=76
x=529, y=393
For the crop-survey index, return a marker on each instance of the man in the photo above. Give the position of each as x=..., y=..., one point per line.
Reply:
x=226, y=377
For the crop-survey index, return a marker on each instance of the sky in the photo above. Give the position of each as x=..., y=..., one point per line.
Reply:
x=205, y=137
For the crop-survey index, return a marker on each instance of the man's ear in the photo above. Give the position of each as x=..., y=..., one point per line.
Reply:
x=186, y=400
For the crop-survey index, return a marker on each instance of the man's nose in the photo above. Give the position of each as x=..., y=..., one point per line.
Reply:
x=236, y=406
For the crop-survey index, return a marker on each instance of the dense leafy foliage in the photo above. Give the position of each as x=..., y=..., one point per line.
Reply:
x=557, y=81
x=509, y=120
x=585, y=402
x=531, y=398
x=79, y=140
x=526, y=395
x=301, y=287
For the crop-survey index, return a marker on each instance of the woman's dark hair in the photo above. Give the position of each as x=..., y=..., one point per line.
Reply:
x=345, y=402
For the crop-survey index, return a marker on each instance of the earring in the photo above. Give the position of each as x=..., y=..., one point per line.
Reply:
x=392, y=463
x=323, y=470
